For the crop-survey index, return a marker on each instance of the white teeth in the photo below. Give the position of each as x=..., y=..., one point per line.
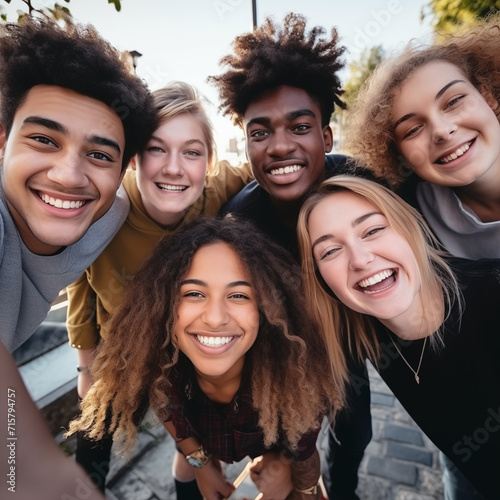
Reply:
x=377, y=278
x=453, y=156
x=170, y=187
x=213, y=341
x=58, y=203
x=285, y=170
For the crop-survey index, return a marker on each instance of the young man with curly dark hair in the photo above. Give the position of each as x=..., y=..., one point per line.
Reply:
x=72, y=116
x=280, y=86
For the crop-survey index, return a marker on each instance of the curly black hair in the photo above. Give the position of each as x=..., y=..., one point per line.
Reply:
x=38, y=51
x=271, y=56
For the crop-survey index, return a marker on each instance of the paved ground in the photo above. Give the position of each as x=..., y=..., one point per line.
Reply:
x=400, y=462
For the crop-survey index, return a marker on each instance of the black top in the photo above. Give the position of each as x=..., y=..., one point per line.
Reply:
x=457, y=403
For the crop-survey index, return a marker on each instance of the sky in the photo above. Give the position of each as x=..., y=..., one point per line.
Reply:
x=185, y=39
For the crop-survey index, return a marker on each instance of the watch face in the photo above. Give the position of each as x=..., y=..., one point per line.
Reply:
x=195, y=462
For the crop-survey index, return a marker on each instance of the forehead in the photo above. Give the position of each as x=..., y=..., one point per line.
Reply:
x=279, y=102
x=339, y=208
x=431, y=76
x=219, y=259
x=183, y=125
x=70, y=108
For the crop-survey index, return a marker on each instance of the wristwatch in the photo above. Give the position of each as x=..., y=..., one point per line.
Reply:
x=198, y=458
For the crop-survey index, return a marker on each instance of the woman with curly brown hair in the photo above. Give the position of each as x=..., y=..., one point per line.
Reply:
x=228, y=357
x=435, y=110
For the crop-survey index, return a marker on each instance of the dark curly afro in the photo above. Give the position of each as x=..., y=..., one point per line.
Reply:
x=271, y=56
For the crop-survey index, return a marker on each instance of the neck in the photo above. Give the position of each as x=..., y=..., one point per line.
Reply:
x=288, y=212
x=484, y=201
x=418, y=321
x=221, y=388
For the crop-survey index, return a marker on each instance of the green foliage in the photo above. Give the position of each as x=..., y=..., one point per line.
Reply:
x=447, y=15
x=56, y=12
x=360, y=70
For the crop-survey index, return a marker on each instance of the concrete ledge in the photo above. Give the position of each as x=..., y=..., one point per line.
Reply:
x=51, y=375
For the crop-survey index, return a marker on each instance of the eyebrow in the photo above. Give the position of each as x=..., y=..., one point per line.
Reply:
x=292, y=115
x=104, y=141
x=47, y=123
x=59, y=127
x=438, y=95
x=354, y=223
x=188, y=142
x=193, y=281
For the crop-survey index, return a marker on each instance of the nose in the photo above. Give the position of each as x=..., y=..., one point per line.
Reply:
x=68, y=170
x=215, y=313
x=442, y=129
x=171, y=166
x=360, y=257
x=281, y=143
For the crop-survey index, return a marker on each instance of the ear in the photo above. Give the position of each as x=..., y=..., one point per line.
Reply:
x=133, y=162
x=328, y=138
x=3, y=143
x=489, y=97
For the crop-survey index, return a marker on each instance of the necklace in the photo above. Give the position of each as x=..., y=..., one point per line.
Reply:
x=417, y=378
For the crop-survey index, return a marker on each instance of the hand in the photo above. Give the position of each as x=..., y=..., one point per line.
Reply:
x=271, y=474
x=212, y=483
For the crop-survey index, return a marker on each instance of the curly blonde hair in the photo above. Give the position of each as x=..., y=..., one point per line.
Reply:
x=369, y=134
x=289, y=392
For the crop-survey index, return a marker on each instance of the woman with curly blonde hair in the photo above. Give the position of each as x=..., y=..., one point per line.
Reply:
x=435, y=110
x=377, y=282
x=214, y=334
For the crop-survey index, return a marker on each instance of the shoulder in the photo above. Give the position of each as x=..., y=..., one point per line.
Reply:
x=468, y=271
x=339, y=164
x=249, y=197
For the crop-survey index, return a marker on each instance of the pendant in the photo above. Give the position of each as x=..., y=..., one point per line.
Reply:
x=417, y=378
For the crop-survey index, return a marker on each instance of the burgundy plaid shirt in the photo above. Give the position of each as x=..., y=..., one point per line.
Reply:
x=228, y=432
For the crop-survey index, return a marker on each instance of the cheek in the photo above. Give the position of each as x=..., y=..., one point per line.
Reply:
x=198, y=175
x=332, y=276
x=415, y=153
x=108, y=188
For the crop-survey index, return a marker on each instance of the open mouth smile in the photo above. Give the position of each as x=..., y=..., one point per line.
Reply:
x=59, y=203
x=286, y=170
x=455, y=154
x=213, y=341
x=171, y=187
x=378, y=282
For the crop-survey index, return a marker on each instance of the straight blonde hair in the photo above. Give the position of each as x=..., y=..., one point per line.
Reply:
x=342, y=327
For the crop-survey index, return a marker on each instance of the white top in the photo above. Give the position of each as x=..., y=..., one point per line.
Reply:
x=458, y=228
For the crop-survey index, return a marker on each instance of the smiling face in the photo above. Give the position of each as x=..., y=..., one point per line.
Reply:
x=445, y=129
x=218, y=318
x=62, y=165
x=171, y=170
x=286, y=143
x=365, y=262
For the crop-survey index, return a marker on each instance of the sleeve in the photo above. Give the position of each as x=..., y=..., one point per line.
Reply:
x=81, y=323
x=306, y=446
x=222, y=186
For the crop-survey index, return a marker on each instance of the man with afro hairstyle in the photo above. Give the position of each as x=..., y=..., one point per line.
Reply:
x=280, y=87
x=72, y=116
